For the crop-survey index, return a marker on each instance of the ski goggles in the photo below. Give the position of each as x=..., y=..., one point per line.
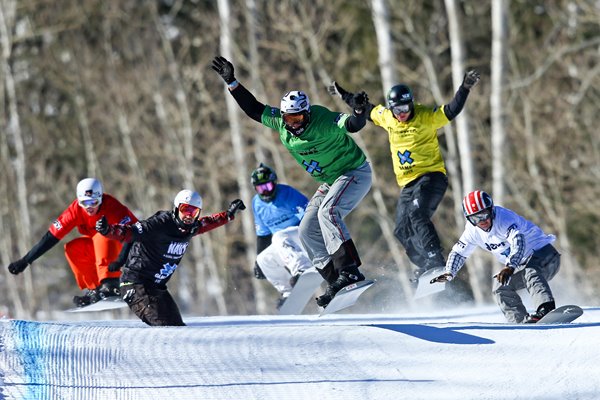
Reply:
x=293, y=119
x=189, y=210
x=89, y=203
x=264, y=188
x=481, y=216
x=401, y=109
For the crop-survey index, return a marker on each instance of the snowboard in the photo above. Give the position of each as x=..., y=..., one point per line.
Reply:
x=302, y=292
x=347, y=296
x=425, y=287
x=562, y=315
x=109, y=303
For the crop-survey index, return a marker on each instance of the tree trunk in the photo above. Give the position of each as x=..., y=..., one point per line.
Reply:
x=13, y=128
x=477, y=274
x=386, y=53
x=499, y=35
x=237, y=142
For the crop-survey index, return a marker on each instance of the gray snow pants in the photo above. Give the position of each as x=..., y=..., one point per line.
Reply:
x=541, y=267
x=322, y=229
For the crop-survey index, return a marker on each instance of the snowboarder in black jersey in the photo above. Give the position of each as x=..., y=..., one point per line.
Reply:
x=157, y=246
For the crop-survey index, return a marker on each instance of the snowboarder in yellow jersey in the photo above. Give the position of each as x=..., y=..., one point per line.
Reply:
x=418, y=164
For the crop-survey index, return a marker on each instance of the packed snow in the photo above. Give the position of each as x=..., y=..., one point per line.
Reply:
x=463, y=353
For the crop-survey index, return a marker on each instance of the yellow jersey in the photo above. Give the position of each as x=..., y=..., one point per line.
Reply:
x=414, y=144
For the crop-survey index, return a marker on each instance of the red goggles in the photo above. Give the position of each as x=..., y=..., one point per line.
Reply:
x=265, y=187
x=293, y=119
x=89, y=203
x=189, y=210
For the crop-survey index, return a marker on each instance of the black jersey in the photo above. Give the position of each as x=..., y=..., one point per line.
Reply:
x=159, y=245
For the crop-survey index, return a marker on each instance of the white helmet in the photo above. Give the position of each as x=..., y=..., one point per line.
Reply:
x=188, y=197
x=294, y=102
x=89, y=189
x=295, y=111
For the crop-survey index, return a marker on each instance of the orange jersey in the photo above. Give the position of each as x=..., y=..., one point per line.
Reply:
x=75, y=216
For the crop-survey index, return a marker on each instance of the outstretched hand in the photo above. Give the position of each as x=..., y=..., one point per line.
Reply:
x=223, y=67
x=18, y=266
x=235, y=206
x=359, y=102
x=471, y=79
x=336, y=90
x=442, y=278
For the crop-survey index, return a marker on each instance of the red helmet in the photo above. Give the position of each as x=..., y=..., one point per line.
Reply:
x=477, y=202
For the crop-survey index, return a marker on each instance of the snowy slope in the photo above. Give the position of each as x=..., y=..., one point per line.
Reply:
x=460, y=354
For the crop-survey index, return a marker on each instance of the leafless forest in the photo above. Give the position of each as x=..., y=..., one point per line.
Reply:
x=122, y=90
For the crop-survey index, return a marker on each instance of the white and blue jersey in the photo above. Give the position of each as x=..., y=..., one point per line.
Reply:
x=286, y=209
x=512, y=239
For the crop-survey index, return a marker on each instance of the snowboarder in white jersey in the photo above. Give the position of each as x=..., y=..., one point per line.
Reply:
x=526, y=252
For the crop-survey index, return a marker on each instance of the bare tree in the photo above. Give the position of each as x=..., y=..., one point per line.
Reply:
x=386, y=54
x=498, y=134
x=13, y=128
x=239, y=156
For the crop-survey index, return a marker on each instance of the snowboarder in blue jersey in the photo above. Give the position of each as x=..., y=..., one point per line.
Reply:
x=278, y=210
x=526, y=252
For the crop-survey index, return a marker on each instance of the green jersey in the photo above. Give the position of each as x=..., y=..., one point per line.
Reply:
x=324, y=150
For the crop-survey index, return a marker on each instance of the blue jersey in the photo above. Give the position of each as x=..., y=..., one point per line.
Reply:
x=286, y=209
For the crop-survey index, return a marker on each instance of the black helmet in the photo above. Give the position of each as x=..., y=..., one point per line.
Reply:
x=264, y=180
x=400, y=95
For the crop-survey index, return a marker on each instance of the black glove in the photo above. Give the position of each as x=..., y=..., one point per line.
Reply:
x=471, y=78
x=18, y=266
x=504, y=276
x=234, y=207
x=336, y=90
x=102, y=226
x=114, y=266
x=359, y=102
x=258, y=274
x=224, y=68
x=442, y=278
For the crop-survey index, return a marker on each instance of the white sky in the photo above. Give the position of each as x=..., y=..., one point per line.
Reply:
x=451, y=354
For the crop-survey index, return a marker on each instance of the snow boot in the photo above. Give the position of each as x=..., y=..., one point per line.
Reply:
x=435, y=259
x=328, y=272
x=109, y=287
x=89, y=297
x=542, y=310
x=347, y=277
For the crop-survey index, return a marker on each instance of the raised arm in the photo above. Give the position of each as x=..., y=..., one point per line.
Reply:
x=213, y=221
x=357, y=101
x=455, y=106
x=46, y=243
x=246, y=100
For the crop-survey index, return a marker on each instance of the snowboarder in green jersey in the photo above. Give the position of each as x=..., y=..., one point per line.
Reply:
x=318, y=140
